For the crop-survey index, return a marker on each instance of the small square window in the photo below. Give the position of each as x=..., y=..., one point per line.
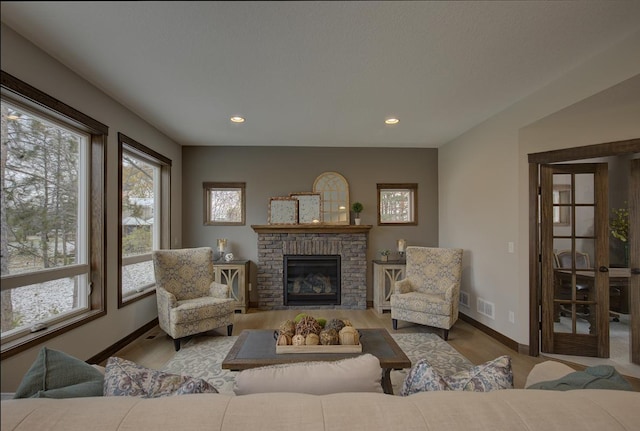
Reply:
x=224, y=203
x=397, y=204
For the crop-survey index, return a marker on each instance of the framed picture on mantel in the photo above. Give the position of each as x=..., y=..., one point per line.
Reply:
x=283, y=210
x=309, y=207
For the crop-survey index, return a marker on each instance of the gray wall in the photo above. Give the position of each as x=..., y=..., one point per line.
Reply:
x=278, y=171
x=484, y=175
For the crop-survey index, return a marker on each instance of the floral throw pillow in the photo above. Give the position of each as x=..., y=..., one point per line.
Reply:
x=126, y=378
x=422, y=377
x=490, y=376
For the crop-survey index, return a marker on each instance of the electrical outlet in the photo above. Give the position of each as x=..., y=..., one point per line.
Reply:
x=512, y=317
x=249, y=287
x=511, y=247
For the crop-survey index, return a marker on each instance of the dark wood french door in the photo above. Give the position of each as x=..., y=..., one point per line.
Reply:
x=574, y=239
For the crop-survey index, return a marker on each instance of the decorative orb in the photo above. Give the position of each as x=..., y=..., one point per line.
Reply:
x=308, y=325
x=329, y=337
x=288, y=328
x=312, y=340
x=349, y=336
x=346, y=322
x=322, y=322
x=336, y=324
x=299, y=317
x=298, y=340
x=284, y=340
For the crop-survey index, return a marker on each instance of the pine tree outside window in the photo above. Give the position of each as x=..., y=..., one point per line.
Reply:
x=52, y=277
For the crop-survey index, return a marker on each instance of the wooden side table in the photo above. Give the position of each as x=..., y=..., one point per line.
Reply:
x=235, y=274
x=385, y=274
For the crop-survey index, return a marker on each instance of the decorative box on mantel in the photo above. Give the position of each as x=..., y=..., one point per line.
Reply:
x=347, y=241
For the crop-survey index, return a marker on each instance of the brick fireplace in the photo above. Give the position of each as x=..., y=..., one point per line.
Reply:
x=277, y=241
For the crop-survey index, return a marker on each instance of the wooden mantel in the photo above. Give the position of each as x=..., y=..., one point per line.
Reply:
x=310, y=228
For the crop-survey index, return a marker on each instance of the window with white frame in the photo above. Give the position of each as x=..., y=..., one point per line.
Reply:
x=52, y=249
x=144, y=216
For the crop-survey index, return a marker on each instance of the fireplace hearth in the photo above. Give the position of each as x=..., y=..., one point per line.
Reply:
x=277, y=241
x=311, y=280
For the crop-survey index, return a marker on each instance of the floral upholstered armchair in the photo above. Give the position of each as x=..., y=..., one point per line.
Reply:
x=189, y=300
x=429, y=293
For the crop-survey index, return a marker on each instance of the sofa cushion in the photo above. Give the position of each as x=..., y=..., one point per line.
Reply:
x=491, y=375
x=55, y=374
x=359, y=374
x=126, y=378
x=432, y=303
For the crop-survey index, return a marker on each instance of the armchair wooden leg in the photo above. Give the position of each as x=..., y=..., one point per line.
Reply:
x=176, y=344
x=445, y=334
x=394, y=322
x=229, y=329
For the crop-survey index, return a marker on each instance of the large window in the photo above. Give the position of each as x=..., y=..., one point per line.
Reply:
x=52, y=216
x=144, y=215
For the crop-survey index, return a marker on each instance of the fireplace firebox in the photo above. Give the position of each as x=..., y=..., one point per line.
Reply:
x=311, y=279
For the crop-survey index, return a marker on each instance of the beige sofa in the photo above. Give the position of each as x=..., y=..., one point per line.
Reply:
x=514, y=409
x=266, y=406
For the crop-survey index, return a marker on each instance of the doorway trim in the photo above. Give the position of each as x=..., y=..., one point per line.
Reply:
x=616, y=148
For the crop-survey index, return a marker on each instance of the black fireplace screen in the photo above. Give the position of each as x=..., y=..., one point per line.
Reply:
x=311, y=280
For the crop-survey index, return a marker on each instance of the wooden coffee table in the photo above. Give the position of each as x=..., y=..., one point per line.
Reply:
x=257, y=348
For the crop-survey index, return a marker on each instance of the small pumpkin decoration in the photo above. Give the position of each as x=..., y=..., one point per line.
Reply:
x=284, y=340
x=298, y=340
x=349, y=336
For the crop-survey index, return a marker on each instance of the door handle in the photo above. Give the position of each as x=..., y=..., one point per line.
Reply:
x=603, y=269
x=635, y=270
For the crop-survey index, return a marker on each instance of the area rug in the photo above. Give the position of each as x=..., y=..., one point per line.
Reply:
x=202, y=356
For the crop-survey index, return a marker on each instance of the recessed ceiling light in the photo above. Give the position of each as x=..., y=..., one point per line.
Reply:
x=391, y=121
x=237, y=119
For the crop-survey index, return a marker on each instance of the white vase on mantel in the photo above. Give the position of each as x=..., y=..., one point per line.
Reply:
x=357, y=220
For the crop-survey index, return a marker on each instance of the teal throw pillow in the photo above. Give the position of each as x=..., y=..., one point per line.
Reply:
x=55, y=374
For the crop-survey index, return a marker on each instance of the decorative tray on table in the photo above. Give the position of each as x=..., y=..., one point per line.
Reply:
x=331, y=348
x=309, y=336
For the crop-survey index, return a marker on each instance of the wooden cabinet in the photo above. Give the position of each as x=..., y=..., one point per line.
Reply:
x=235, y=274
x=385, y=274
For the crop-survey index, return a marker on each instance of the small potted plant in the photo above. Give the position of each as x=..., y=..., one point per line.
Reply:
x=384, y=255
x=357, y=208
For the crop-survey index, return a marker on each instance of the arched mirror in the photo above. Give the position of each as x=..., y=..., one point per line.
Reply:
x=334, y=190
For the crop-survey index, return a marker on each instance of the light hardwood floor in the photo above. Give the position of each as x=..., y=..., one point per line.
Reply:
x=155, y=348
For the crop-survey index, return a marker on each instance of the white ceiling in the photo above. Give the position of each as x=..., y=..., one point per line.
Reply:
x=321, y=73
